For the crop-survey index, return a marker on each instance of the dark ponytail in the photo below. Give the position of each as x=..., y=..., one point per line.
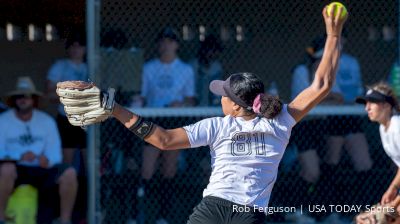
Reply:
x=271, y=106
x=248, y=87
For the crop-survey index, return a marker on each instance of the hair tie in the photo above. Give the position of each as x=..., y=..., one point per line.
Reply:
x=257, y=103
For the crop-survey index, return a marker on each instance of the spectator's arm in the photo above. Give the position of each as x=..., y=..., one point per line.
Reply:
x=3, y=152
x=51, y=92
x=145, y=85
x=53, y=75
x=190, y=88
x=52, y=149
x=355, y=69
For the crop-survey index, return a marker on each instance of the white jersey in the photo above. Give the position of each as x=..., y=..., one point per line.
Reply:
x=245, y=155
x=38, y=135
x=164, y=83
x=64, y=70
x=390, y=139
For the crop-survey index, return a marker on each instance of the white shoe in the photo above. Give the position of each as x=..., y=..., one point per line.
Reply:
x=161, y=221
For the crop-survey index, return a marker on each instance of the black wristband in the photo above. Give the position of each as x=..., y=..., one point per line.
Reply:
x=136, y=124
x=142, y=128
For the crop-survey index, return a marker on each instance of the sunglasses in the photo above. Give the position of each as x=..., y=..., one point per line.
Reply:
x=21, y=96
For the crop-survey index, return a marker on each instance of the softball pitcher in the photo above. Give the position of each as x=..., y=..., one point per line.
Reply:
x=246, y=145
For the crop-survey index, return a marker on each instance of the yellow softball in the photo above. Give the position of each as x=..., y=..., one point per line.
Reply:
x=336, y=9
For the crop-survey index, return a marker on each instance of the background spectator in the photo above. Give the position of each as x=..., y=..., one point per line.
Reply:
x=30, y=151
x=348, y=76
x=314, y=144
x=207, y=68
x=71, y=68
x=167, y=82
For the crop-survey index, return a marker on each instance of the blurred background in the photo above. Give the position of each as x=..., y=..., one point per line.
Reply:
x=213, y=39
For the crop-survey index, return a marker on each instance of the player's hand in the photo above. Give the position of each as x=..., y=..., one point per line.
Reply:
x=395, y=204
x=28, y=157
x=84, y=103
x=389, y=195
x=334, y=23
x=365, y=218
x=43, y=161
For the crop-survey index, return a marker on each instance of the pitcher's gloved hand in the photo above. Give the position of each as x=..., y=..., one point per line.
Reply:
x=84, y=103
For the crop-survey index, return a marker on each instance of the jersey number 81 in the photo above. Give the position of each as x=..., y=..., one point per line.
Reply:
x=243, y=144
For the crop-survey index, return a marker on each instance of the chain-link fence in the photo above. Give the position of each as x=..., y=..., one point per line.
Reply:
x=333, y=158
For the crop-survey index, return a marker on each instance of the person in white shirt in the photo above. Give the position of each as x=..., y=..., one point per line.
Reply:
x=30, y=151
x=320, y=150
x=167, y=81
x=348, y=81
x=348, y=135
x=383, y=107
x=71, y=68
x=349, y=75
x=246, y=145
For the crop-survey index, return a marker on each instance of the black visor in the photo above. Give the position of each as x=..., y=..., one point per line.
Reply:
x=223, y=88
x=375, y=97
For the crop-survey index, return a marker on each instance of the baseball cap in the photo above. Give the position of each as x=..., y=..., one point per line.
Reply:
x=376, y=97
x=223, y=88
x=168, y=32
